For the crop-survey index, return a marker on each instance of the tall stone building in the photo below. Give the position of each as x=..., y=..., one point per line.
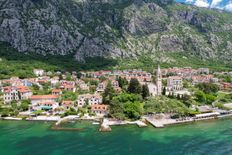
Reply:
x=159, y=81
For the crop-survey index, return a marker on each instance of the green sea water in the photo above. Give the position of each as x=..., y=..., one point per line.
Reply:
x=36, y=138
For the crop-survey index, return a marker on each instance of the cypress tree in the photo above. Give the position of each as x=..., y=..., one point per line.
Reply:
x=108, y=93
x=145, y=91
x=134, y=87
x=164, y=91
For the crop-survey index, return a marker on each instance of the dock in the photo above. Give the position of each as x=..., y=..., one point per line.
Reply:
x=141, y=124
x=105, y=127
x=12, y=118
x=44, y=118
x=67, y=118
x=154, y=122
x=106, y=123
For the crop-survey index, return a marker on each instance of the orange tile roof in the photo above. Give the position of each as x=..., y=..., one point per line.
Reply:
x=67, y=102
x=175, y=77
x=48, y=103
x=23, y=89
x=56, y=90
x=36, y=97
x=100, y=107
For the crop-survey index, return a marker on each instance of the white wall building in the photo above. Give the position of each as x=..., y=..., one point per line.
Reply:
x=89, y=99
x=174, y=83
x=39, y=72
x=10, y=94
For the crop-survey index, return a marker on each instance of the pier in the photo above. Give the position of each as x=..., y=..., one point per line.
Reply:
x=106, y=123
x=154, y=122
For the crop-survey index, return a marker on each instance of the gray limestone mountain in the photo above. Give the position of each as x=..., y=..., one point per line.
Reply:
x=115, y=28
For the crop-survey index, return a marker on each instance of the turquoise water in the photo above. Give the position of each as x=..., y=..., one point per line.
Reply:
x=36, y=138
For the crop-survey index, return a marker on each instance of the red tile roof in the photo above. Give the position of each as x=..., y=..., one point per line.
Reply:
x=100, y=107
x=67, y=102
x=37, y=97
x=56, y=90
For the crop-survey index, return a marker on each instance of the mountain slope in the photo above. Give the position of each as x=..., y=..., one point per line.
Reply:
x=122, y=29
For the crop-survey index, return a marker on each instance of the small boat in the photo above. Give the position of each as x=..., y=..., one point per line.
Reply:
x=95, y=123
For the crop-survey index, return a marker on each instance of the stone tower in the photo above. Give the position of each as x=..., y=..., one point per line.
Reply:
x=159, y=81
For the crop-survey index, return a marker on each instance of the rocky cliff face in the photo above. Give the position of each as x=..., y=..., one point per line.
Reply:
x=109, y=28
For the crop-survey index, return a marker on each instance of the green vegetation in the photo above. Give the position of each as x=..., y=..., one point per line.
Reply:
x=14, y=63
x=122, y=82
x=221, y=106
x=208, y=88
x=24, y=106
x=180, y=59
x=126, y=106
x=134, y=87
x=145, y=91
x=225, y=98
x=38, y=112
x=68, y=95
x=71, y=111
x=108, y=94
x=226, y=78
x=166, y=105
x=14, y=108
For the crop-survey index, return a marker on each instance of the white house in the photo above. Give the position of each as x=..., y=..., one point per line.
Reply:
x=89, y=99
x=100, y=110
x=44, y=102
x=174, y=83
x=101, y=87
x=152, y=89
x=39, y=72
x=25, y=92
x=10, y=94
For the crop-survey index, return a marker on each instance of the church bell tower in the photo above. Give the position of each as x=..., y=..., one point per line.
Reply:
x=159, y=81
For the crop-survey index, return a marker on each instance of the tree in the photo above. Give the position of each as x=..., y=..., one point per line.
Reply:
x=68, y=95
x=200, y=96
x=134, y=86
x=102, y=78
x=108, y=93
x=145, y=91
x=35, y=87
x=120, y=107
x=164, y=91
x=208, y=87
x=79, y=75
x=164, y=82
x=14, y=104
x=69, y=77
x=60, y=77
x=210, y=98
x=164, y=104
x=133, y=110
x=122, y=82
x=116, y=109
x=178, y=97
x=186, y=100
x=185, y=84
x=24, y=105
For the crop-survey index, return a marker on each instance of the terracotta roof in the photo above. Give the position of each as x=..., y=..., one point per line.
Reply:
x=23, y=89
x=67, y=102
x=175, y=77
x=56, y=90
x=89, y=96
x=66, y=86
x=45, y=102
x=35, y=97
x=100, y=107
x=8, y=89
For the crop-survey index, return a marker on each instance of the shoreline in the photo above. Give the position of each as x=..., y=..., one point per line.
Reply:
x=106, y=127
